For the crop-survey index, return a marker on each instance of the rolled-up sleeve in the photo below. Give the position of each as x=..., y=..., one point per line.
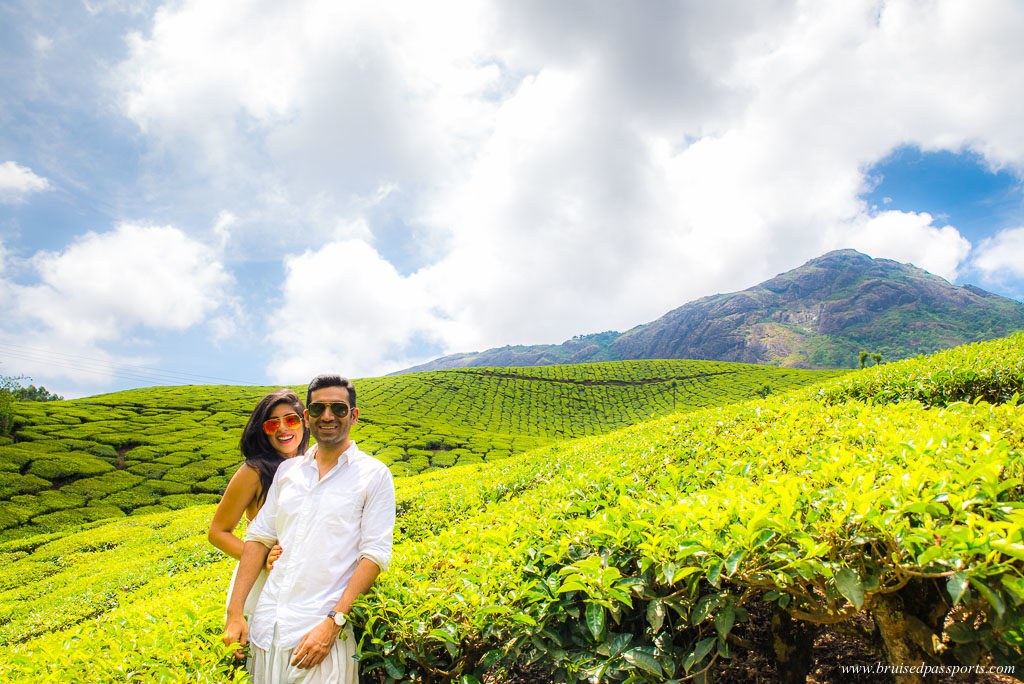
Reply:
x=378, y=522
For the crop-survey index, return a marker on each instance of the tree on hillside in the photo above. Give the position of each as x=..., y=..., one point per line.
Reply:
x=8, y=385
x=874, y=356
x=33, y=393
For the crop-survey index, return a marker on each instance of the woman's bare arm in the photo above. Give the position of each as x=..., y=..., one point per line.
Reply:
x=240, y=492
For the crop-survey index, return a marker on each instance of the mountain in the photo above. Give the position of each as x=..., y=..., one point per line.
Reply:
x=820, y=315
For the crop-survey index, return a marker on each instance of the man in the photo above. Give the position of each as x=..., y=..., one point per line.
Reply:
x=333, y=512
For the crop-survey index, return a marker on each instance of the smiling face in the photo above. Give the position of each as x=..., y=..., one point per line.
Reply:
x=285, y=440
x=328, y=429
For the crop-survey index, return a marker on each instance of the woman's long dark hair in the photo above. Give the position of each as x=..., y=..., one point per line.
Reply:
x=255, y=445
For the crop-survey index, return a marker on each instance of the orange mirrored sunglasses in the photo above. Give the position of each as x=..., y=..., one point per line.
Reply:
x=291, y=421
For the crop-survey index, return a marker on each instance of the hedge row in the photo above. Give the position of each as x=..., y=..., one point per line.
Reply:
x=659, y=553
x=186, y=438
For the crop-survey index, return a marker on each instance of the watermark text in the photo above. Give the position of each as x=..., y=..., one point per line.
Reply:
x=925, y=669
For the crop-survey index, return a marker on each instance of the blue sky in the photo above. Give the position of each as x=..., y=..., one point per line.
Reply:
x=956, y=187
x=255, y=192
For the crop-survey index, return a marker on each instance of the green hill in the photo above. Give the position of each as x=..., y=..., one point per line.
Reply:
x=818, y=315
x=885, y=507
x=152, y=450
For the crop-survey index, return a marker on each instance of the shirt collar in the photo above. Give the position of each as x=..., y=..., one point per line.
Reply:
x=310, y=456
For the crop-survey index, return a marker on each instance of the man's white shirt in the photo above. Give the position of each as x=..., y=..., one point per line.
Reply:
x=325, y=526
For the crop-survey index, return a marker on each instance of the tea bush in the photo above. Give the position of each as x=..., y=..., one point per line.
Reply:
x=58, y=520
x=638, y=555
x=69, y=464
x=99, y=510
x=59, y=500
x=12, y=514
x=991, y=371
x=186, y=500
x=33, y=504
x=130, y=499
x=149, y=510
x=655, y=553
x=150, y=470
x=166, y=487
x=43, y=446
x=103, y=485
x=16, y=455
x=186, y=438
x=14, y=483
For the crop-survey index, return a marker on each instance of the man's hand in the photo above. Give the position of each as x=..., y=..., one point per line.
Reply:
x=236, y=630
x=274, y=554
x=315, y=646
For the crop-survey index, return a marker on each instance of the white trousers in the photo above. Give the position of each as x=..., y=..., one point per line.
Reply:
x=273, y=666
x=250, y=601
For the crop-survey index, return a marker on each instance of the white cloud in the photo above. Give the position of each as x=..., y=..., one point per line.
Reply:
x=146, y=275
x=129, y=7
x=552, y=222
x=17, y=181
x=908, y=237
x=68, y=366
x=345, y=309
x=103, y=287
x=224, y=328
x=330, y=100
x=736, y=193
x=41, y=43
x=564, y=169
x=222, y=228
x=1001, y=257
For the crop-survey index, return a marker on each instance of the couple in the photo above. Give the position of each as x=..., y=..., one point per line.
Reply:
x=322, y=523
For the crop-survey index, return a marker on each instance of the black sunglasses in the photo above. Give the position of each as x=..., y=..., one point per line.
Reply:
x=338, y=408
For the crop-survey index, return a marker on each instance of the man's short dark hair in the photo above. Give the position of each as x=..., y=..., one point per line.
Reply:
x=330, y=380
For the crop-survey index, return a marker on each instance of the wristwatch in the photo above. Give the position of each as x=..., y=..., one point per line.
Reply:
x=339, y=618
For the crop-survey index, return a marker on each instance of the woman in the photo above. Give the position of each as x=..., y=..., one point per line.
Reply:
x=275, y=431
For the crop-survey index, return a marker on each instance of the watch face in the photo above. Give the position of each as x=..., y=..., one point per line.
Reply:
x=339, y=619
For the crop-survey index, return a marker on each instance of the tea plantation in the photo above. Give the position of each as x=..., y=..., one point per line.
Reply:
x=886, y=506
x=152, y=450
